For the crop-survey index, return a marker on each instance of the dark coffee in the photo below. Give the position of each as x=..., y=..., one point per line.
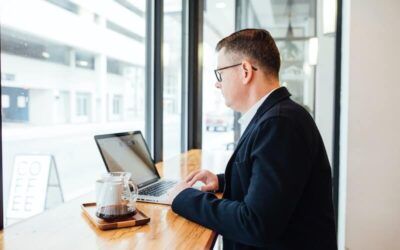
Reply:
x=115, y=212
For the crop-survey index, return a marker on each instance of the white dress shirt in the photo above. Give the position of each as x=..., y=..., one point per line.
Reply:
x=246, y=117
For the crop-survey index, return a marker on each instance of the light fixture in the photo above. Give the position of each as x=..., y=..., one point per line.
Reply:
x=220, y=5
x=289, y=49
x=289, y=32
x=56, y=94
x=313, y=51
x=45, y=54
x=329, y=16
x=83, y=63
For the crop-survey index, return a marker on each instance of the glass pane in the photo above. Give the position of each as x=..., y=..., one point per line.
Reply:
x=307, y=53
x=219, y=22
x=70, y=70
x=172, y=103
x=282, y=18
x=292, y=25
x=297, y=74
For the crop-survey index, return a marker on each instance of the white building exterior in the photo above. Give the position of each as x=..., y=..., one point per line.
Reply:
x=77, y=90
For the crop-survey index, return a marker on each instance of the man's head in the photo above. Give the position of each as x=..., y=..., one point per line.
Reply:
x=255, y=62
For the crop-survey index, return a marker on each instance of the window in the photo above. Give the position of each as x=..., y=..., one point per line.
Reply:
x=84, y=60
x=69, y=72
x=21, y=101
x=15, y=105
x=172, y=80
x=82, y=104
x=218, y=119
x=121, y=30
x=5, y=101
x=117, y=105
x=65, y=4
x=307, y=54
x=28, y=45
x=293, y=26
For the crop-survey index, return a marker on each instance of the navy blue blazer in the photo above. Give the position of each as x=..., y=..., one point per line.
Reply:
x=277, y=187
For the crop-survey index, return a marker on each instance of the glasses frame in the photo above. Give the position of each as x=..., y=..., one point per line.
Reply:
x=218, y=74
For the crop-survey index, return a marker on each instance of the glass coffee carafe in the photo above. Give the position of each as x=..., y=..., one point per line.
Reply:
x=117, y=197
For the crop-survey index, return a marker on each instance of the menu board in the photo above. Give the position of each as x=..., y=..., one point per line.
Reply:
x=28, y=186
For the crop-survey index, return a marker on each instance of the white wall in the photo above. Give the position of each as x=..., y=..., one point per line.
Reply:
x=39, y=74
x=39, y=111
x=370, y=149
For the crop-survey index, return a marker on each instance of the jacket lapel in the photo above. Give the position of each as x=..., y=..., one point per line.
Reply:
x=275, y=97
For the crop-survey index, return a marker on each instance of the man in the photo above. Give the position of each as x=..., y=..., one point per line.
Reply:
x=277, y=184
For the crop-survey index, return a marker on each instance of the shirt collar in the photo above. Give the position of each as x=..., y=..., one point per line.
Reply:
x=248, y=116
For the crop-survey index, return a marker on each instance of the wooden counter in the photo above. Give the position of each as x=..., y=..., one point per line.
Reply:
x=66, y=227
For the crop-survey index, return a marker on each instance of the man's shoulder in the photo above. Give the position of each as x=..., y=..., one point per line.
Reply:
x=288, y=111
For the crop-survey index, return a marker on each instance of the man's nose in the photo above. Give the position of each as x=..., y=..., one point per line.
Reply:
x=217, y=85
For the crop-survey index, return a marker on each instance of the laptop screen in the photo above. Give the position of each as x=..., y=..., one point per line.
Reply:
x=128, y=152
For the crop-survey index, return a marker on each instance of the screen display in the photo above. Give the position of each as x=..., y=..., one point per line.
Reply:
x=128, y=153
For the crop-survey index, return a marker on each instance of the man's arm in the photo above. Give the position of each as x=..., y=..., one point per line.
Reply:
x=280, y=164
x=221, y=183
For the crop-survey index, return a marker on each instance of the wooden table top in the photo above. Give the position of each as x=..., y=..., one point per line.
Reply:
x=66, y=227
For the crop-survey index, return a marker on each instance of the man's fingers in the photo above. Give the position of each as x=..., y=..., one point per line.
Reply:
x=197, y=177
x=208, y=187
x=191, y=175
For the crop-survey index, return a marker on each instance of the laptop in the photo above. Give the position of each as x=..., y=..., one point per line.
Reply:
x=128, y=152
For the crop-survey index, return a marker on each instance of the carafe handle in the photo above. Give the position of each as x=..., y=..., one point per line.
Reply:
x=134, y=191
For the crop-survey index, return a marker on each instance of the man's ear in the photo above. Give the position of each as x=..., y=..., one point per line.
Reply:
x=247, y=72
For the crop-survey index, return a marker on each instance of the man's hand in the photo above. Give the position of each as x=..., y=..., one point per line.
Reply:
x=176, y=190
x=209, y=179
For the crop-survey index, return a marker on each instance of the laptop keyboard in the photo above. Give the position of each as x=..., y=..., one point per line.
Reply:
x=157, y=189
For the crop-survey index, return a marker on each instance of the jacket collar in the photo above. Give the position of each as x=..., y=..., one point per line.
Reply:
x=274, y=98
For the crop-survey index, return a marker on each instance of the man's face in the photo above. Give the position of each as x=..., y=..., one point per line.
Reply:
x=231, y=87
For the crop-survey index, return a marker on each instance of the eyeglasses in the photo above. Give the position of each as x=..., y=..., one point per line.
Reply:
x=218, y=73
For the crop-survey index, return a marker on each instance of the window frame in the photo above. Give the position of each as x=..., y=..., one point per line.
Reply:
x=192, y=20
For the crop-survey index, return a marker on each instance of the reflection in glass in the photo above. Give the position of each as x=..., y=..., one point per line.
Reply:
x=172, y=60
x=65, y=80
x=219, y=22
x=293, y=26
